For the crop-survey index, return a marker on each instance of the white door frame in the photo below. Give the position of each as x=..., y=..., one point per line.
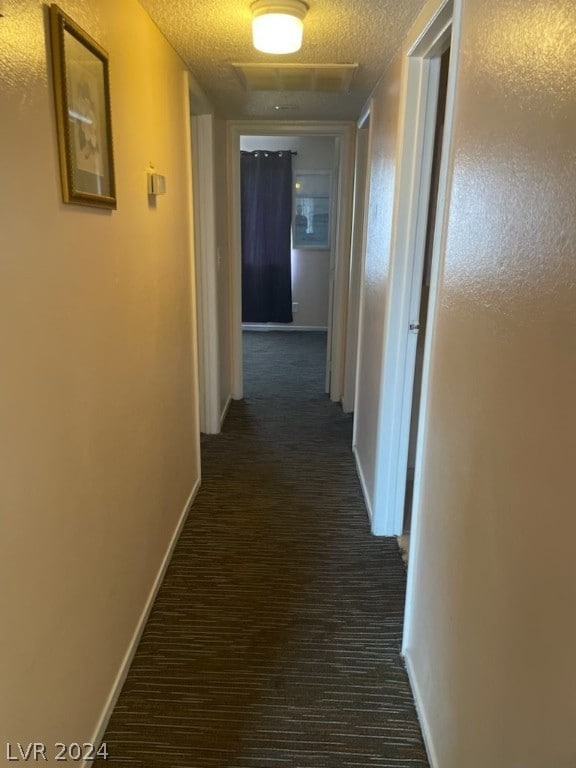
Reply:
x=344, y=133
x=332, y=266
x=206, y=278
x=204, y=227
x=368, y=110
x=357, y=254
x=195, y=384
x=428, y=38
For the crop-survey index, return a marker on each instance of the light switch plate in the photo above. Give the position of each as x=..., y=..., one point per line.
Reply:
x=156, y=184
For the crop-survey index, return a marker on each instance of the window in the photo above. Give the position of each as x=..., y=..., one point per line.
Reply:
x=312, y=203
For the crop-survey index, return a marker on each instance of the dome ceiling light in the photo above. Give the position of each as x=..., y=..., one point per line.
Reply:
x=277, y=25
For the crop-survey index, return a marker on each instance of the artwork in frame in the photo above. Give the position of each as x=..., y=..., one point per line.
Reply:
x=82, y=96
x=312, y=208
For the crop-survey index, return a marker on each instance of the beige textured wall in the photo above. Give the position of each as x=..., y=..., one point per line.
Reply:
x=382, y=161
x=97, y=402
x=494, y=632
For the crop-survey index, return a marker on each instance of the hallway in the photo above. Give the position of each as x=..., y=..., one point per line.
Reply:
x=275, y=638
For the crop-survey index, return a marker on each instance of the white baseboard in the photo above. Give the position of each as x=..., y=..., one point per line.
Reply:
x=346, y=407
x=131, y=650
x=281, y=327
x=362, y=483
x=420, y=711
x=225, y=410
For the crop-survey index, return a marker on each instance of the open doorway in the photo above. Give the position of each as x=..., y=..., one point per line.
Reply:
x=309, y=248
x=429, y=40
x=342, y=137
x=422, y=321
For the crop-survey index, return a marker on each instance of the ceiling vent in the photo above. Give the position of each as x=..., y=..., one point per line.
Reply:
x=333, y=78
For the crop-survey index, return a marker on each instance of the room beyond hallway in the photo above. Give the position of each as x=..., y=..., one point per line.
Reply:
x=275, y=637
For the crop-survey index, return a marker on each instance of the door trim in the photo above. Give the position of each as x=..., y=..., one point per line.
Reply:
x=418, y=98
x=204, y=206
x=344, y=133
x=357, y=253
x=366, y=117
x=417, y=544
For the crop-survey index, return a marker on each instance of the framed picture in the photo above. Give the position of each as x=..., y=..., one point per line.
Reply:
x=82, y=95
x=312, y=209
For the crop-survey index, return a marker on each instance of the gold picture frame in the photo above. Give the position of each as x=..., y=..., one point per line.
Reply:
x=83, y=120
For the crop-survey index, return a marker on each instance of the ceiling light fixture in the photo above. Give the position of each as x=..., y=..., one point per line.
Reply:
x=277, y=25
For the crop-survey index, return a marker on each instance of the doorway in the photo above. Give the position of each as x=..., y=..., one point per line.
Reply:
x=342, y=176
x=299, y=280
x=422, y=321
x=430, y=38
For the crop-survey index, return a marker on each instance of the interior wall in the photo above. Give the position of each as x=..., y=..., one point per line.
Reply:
x=223, y=265
x=382, y=171
x=310, y=266
x=492, y=620
x=98, y=401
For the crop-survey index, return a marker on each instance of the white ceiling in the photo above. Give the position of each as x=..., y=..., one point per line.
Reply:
x=212, y=35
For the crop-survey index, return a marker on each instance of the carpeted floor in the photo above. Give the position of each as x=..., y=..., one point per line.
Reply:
x=275, y=638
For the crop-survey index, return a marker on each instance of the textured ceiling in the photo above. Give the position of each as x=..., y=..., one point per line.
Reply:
x=212, y=35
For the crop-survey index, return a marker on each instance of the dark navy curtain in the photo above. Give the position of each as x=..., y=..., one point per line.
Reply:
x=266, y=181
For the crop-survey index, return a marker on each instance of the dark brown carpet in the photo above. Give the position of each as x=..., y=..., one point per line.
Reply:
x=274, y=640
